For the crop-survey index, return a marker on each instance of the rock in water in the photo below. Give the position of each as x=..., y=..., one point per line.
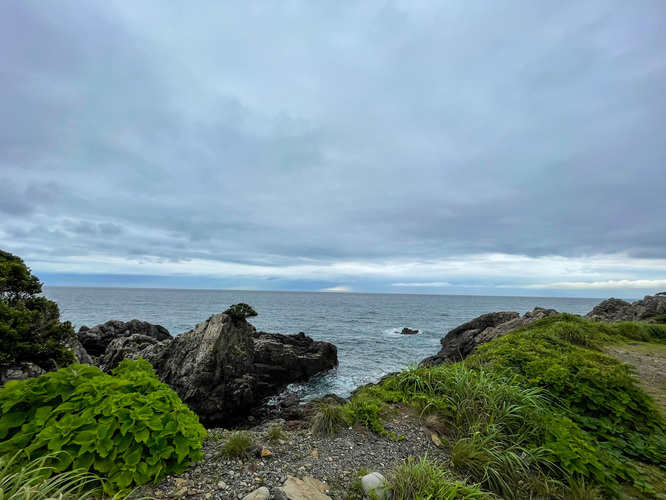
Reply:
x=95, y=340
x=408, y=331
x=462, y=340
x=222, y=368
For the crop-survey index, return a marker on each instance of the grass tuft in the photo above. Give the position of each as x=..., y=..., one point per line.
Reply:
x=424, y=478
x=28, y=482
x=328, y=418
x=239, y=445
x=275, y=433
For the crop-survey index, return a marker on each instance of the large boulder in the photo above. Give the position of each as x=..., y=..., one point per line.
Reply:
x=462, y=340
x=20, y=371
x=613, y=310
x=126, y=348
x=223, y=368
x=95, y=340
x=283, y=359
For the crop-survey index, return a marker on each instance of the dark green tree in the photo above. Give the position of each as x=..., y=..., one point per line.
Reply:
x=30, y=327
x=241, y=311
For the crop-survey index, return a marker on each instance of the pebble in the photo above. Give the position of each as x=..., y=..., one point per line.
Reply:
x=221, y=485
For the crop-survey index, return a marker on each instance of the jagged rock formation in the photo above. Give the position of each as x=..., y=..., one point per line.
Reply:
x=20, y=371
x=95, y=340
x=613, y=310
x=222, y=368
x=462, y=340
x=408, y=331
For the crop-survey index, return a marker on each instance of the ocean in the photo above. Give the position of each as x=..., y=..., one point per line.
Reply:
x=364, y=327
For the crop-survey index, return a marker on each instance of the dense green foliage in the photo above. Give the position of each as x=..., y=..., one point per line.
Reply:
x=30, y=327
x=241, y=311
x=597, y=391
x=130, y=428
x=540, y=412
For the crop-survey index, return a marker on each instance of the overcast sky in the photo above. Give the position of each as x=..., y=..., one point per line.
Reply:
x=513, y=147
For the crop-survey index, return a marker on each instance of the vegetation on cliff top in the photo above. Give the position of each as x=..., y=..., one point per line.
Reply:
x=30, y=327
x=539, y=413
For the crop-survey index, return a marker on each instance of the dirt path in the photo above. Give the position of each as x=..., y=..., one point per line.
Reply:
x=650, y=363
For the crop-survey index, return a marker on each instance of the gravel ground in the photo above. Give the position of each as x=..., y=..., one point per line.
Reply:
x=649, y=360
x=336, y=459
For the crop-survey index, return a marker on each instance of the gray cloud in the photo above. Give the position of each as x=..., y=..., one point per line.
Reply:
x=333, y=132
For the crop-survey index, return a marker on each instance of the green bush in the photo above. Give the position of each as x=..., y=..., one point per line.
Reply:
x=30, y=327
x=598, y=392
x=130, y=428
x=241, y=311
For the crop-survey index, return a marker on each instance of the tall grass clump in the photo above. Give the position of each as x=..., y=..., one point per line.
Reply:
x=424, y=478
x=328, y=418
x=239, y=445
x=275, y=433
x=33, y=480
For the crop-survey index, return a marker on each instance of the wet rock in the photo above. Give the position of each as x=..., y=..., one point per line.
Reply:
x=408, y=331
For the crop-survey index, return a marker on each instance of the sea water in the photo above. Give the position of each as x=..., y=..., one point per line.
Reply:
x=364, y=327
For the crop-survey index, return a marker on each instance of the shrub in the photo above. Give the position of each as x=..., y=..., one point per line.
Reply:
x=239, y=445
x=328, y=418
x=30, y=481
x=241, y=311
x=130, y=428
x=367, y=409
x=424, y=478
x=30, y=327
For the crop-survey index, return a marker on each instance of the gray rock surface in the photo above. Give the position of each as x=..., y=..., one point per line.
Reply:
x=613, y=310
x=95, y=340
x=462, y=340
x=124, y=348
x=20, y=371
x=375, y=486
x=80, y=354
x=308, y=488
x=223, y=368
x=259, y=494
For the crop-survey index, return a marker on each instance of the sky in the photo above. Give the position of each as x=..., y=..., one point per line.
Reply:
x=459, y=147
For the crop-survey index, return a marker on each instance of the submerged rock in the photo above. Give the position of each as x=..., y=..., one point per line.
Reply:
x=462, y=340
x=408, y=331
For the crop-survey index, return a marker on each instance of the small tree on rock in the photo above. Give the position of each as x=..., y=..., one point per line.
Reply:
x=240, y=311
x=30, y=327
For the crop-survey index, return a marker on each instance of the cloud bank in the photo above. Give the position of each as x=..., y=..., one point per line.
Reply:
x=380, y=146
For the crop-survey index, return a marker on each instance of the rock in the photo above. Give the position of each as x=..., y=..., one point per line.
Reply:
x=80, y=354
x=284, y=359
x=95, y=340
x=375, y=486
x=613, y=310
x=223, y=368
x=20, y=371
x=125, y=348
x=259, y=494
x=266, y=453
x=307, y=489
x=408, y=331
x=462, y=340
x=221, y=485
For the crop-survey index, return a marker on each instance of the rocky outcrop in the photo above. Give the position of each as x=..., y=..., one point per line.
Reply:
x=613, y=310
x=20, y=371
x=80, y=354
x=462, y=340
x=95, y=340
x=408, y=331
x=284, y=359
x=126, y=348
